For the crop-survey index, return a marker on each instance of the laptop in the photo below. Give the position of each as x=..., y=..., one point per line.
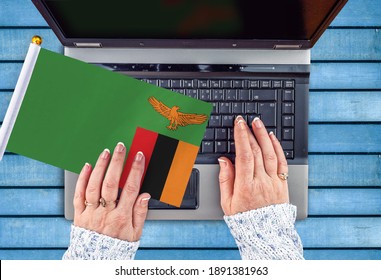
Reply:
x=249, y=58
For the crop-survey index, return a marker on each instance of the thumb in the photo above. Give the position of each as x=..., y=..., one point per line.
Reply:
x=140, y=213
x=226, y=179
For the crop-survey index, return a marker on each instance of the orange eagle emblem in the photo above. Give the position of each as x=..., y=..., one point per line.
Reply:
x=175, y=117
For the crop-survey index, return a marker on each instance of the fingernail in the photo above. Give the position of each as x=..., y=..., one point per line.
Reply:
x=120, y=147
x=139, y=156
x=145, y=200
x=105, y=154
x=86, y=167
x=257, y=122
x=222, y=162
x=240, y=121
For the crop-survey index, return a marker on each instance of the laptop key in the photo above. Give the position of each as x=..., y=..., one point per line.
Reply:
x=253, y=84
x=215, y=121
x=264, y=95
x=207, y=147
x=227, y=120
x=289, y=84
x=268, y=113
x=289, y=95
x=221, y=133
x=288, y=134
x=217, y=94
x=215, y=84
x=164, y=83
x=205, y=94
x=265, y=84
x=188, y=83
x=251, y=108
x=244, y=95
x=288, y=108
x=209, y=134
x=224, y=108
x=237, y=108
x=221, y=147
x=230, y=95
x=192, y=93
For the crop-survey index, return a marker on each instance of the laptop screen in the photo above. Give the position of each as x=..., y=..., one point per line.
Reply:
x=291, y=20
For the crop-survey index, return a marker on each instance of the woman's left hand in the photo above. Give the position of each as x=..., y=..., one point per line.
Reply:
x=96, y=204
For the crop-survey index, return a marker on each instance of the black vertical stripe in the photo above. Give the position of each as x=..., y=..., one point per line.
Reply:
x=159, y=165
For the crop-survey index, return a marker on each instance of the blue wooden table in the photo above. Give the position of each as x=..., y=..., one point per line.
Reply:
x=344, y=154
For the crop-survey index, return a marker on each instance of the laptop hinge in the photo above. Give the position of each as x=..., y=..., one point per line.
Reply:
x=88, y=45
x=288, y=47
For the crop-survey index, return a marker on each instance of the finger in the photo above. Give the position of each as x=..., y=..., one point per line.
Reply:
x=268, y=154
x=244, y=160
x=282, y=161
x=257, y=153
x=110, y=184
x=80, y=189
x=132, y=186
x=93, y=190
x=226, y=179
x=140, y=213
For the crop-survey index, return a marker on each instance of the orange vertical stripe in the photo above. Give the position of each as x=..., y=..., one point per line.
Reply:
x=179, y=174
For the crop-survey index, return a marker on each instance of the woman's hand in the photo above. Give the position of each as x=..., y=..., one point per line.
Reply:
x=96, y=204
x=259, y=177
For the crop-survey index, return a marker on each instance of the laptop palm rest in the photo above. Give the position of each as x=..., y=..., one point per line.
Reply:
x=202, y=198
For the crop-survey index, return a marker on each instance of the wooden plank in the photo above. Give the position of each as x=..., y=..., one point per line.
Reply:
x=355, y=13
x=314, y=232
x=344, y=170
x=309, y=254
x=338, y=106
x=345, y=106
x=338, y=254
x=351, y=202
x=194, y=254
x=9, y=72
x=33, y=254
x=352, y=138
x=359, y=13
x=322, y=201
x=324, y=170
x=341, y=76
x=20, y=13
x=29, y=202
x=348, y=44
x=14, y=43
x=337, y=76
x=16, y=171
x=5, y=98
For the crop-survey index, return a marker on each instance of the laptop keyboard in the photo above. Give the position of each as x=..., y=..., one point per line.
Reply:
x=272, y=100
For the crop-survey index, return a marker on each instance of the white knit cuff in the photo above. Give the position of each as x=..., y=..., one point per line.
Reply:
x=266, y=233
x=90, y=245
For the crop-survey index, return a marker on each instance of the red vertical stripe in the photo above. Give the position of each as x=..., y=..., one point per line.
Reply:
x=144, y=141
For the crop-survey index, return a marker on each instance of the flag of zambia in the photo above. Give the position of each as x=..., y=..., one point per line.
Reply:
x=65, y=112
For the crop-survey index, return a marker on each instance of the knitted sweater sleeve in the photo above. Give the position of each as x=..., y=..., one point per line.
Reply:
x=267, y=233
x=90, y=245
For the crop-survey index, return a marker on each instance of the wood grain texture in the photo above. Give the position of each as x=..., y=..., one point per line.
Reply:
x=195, y=254
x=14, y=43
x=322, y=201
x=345, y=106
x=335, y=232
